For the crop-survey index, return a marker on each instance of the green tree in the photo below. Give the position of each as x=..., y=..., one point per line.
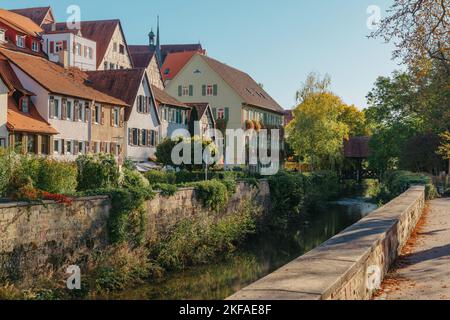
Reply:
x=314, y=84
x=316, y=133
x=444, y=148
x=419, y=29
x=355, y=120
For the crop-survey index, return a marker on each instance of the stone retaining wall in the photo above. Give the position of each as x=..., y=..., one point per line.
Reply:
x=350, y=265
x=37, y=238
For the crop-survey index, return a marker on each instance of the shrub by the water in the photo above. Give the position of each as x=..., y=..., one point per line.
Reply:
x=213, y=194
x=57, y=177
x=397, y=182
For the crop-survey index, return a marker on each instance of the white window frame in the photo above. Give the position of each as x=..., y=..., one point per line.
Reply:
x=209, y=90
x=221, y=113
x=21, y=43
x=69, y=110
x=98, y=114
x=35, y=46
x=2, y=35
x=116, y=119
x=67, y=142
x=57, y=142
x=27, y=104
x=185, y=91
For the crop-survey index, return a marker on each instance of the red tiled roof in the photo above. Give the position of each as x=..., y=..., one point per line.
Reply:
x=10, y=78
x=163, y=97
x=122, y=84
x=22, y=122
x=20, y=23
x=58, y=80
x=36, y=14
x=167, y=49
x=100, y=31
x=201, y=108
x=244, y=85
x=174, y=62
x=357, y=147
x=16, y=120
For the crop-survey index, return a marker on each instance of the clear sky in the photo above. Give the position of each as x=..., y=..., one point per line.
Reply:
x=278, y=42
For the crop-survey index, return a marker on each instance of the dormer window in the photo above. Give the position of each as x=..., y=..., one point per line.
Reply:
x=25, y=104
x=20, y=41
x=2, y=35
x=35, y=46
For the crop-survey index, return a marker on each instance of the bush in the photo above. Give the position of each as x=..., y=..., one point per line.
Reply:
x=397, y=182
x=155, y=177
x=97, y=171
x=167, y=190
x=213, y=194
x=201, y=241
x=321, y=186
x=57, y=177
x=119, y=267
x=185, y=176
x=133, y=179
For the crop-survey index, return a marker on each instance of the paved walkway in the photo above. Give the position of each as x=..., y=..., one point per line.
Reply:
x=423, y=270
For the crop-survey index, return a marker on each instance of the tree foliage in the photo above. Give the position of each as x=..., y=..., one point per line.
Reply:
x=316, y=131
x=314, y=84
x=420, y=31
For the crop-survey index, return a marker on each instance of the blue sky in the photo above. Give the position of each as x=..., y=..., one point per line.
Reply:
x=277, y=42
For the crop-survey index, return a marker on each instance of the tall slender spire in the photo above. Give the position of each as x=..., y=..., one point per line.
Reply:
x=158, y=44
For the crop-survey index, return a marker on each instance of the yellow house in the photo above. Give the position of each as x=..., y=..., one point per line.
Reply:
x=232, y=94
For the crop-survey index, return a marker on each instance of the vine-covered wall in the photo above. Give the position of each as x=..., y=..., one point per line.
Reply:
x=34, y=238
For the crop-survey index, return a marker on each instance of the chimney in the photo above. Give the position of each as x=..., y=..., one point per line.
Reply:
x=63, y=58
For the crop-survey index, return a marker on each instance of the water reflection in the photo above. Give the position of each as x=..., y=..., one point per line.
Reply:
x=260, y=256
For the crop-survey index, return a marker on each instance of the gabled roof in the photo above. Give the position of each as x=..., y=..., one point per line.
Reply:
x=141, y=55
x=10, y=79
x=123, y=84
x=202, y=108
x=18, y=121
x=56, y=79
x=174, y=62
x=23, y=122
x=100, y=31
x=357, y=147
x=163, y=98
x=20, y=23
x=37, y=14
x=167, y=49
x=244, y=85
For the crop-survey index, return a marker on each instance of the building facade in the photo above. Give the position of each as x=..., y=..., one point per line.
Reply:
x=81, y=115
x=19, y=33
x=142, y=124
x=232, y=94
x=70, y=49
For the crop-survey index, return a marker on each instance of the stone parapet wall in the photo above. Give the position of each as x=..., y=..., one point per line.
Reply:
x=35, y=238
x=350, y=265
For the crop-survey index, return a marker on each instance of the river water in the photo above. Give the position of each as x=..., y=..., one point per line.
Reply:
x=260, y=256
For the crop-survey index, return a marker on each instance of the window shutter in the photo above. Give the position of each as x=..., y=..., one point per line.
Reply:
x=191, y=90
x=102, y=114
x=139, y=137
x=156, y=138
x=65, y=45
x=63, y=146
x=93, y=114
x=51, y=108
x=215, y=89
x=203, y=90
x=180, y=91
x=111, y=120
x=130, y=137
x=75, y=148
x=122, y=110
x=52, y=46
x=214, y=110
x=227, y=114
x=146, y=104
x=64, y=109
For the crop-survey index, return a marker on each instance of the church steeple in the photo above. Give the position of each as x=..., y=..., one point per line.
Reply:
x=158, y=44
x=151, y=38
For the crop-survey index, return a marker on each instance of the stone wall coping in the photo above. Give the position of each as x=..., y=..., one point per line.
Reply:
x=14, y=204
x=322, y=271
